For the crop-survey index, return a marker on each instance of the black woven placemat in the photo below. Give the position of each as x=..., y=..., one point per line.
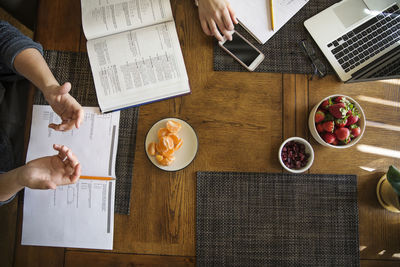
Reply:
x=263, y=219
x=75, y=68
x=282, y=52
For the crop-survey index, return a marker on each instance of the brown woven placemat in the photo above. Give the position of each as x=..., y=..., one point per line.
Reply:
x=276, y=219
x=75, y=68
x=282, y=52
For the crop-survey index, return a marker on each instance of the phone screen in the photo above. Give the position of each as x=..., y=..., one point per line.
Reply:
x=241, y=49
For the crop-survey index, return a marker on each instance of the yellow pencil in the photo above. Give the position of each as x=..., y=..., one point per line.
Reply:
x=96, y=178
x=271, y=10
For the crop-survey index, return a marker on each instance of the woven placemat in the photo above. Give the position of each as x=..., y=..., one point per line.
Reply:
x=263, y=219
x=75, y=68
x=282, y=52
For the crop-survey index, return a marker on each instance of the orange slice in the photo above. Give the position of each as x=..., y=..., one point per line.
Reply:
x=168, y=153
x=159, y=158
x=175, y=138
x=165, y=161
x=178, y=145
x=173, y=126
x=166, y=143
x=151, y=149
x=162, y=132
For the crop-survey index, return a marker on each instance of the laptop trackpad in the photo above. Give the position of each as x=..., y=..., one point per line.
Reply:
x=351, y=11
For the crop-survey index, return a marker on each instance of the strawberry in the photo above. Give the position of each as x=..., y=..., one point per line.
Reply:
x=328, y=126
x=341, y=122
x=320, y=128
x=342, y=133
x=338, y=99
x=338, y=110
x=354, y=130
x=329, y=138
x=352, y=119
x=346, y=141
x=335, y=142
x=325, y=104
x=319, y=116
x=329, y=117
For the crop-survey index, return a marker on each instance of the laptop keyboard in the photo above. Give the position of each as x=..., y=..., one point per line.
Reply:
x=368, y=39
x=392, y=69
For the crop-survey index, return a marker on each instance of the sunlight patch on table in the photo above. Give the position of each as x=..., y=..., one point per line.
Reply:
x=382, y=252
x=368, y=169
x=383, y=126
x=379, y=151
x=392, y=81
x=379, y=101
x=396, y=255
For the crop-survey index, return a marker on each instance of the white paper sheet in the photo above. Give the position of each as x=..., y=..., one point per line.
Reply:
x=254, y=15
x=79, y=215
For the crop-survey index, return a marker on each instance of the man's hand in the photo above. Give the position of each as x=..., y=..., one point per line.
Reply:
x=69, y=110
x=217, y=13
x=49, y=172
x=31, y=64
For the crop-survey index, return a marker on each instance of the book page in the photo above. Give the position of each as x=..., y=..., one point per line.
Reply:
x=138, y=66
x=105, y=17
x=255, y=15
x=79, y=215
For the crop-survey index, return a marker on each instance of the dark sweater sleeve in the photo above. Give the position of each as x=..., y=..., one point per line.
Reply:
x=13, y=42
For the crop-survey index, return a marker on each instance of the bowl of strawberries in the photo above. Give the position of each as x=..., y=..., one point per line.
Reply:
x=337, y=121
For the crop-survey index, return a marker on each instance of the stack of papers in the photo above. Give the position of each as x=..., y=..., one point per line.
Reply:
x=255, y=15
x=79, y=215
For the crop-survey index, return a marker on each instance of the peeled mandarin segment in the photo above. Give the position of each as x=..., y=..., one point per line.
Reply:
x=151, y=149
x=162, y=132
x=159, y=158
x=175, y=138
x=158, y=149
x=169, y=142
x=168, y=153
x=167, y=160
x=163, y=144
x=177, y=146
x=173, y=126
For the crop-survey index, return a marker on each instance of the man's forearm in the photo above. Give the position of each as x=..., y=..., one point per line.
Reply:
x=31, y=64
x=9, y=185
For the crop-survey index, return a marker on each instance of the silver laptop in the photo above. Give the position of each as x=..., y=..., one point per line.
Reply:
x=360, y=38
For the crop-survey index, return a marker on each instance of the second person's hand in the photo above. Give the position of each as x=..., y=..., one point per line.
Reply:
x=217, y=18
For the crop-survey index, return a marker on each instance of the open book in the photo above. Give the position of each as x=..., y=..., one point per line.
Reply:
x=80, y=215
x=134, y=52
x=255, y=15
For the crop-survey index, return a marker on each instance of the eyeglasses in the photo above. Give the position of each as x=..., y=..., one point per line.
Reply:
x=317, y=65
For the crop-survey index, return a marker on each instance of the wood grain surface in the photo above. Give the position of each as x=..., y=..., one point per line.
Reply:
x=241, y=120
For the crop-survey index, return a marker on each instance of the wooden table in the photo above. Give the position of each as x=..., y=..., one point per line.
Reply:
x=241, y=120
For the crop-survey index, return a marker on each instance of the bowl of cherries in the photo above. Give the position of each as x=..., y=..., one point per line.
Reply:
x=337, y=121
x=296, y=155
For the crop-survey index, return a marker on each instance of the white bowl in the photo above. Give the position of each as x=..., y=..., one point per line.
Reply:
x=318, y=138
x=308, y=149
x=185, y=155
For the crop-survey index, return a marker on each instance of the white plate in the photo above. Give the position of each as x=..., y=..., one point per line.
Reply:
x=185, y=154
